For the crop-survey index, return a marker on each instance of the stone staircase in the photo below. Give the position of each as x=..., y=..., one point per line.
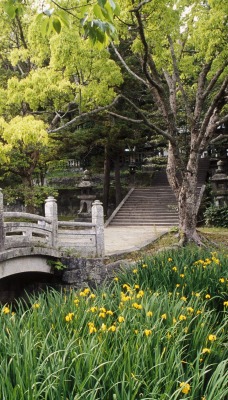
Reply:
x=155, y=205
x=147, y=206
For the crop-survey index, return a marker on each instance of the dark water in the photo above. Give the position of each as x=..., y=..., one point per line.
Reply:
x=19, y=286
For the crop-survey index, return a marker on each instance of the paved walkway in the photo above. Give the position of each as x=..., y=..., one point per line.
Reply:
x=119, y=240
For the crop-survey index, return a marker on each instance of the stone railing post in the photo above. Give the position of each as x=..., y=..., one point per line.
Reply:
x=2, y=231
x=98, y=219
x=52, y=213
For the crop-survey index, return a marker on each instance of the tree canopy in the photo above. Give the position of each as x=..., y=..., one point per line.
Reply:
x=181, y=48
x=64, y=62
x=52, y=76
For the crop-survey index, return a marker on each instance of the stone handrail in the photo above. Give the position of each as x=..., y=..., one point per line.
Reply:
x=119, y=206
x=84, y=238
x=75, y=224
x=35, y=217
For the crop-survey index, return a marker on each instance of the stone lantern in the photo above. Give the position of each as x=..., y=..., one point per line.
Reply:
x=86, y=197
x=219, y=183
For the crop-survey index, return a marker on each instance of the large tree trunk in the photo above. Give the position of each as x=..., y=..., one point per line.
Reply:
x=106, y=184
x=29, y=194
x=184, y=185
x=117, y=179
x=187, y=206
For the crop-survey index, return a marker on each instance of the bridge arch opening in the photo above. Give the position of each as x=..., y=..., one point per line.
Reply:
x=21, y=285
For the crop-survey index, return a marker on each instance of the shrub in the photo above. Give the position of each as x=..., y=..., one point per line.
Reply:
x=216, y=216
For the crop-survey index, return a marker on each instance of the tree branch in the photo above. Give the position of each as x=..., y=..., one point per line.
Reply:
x=177, y=75
x=67, y=10
x=127, y=68
x=219, y=137
x=21, y=32
x=214, y=80
x=152, y=126
x=135, y=121
x=86, y=114
x=199, y=94
x=222, y=121
x=147, y=59
x=140, y=5
x=154, y=80
x=171, y=82
x=212, y=107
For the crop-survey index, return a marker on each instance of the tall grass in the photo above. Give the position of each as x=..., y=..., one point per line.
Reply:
x=150, y=335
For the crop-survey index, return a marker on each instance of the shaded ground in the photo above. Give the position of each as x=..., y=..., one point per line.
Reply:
x=218, y=236
x=125, y=239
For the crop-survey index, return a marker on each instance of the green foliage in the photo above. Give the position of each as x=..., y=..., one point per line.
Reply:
x=97, y=21
x=95, y=74
x=157, y=162
x=41, y=88
x=126, y=341
x=100, y=28
x=56, y=264
x=26, y=130
x=24, y=146
x=30, y=197
x=216, y=216
x=13, y=8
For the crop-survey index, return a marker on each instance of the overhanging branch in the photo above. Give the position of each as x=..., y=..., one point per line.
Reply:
x=148, y=60
x=127, y=67
x=135, y=121
x=212, y=107
x=177, y=75
x=84, y=115
x=219, y=137
x=214, y=80
x=200, y=95
x=140, y=5
x=148, y=123
x=222, y=121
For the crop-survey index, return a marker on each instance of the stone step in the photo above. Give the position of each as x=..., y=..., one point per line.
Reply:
x=148, y=203
x=157, y=223
x=154, y=210
x=145, y=214
x=155, y=197
x=151, y=206
x=145, y=217
x=155, y=205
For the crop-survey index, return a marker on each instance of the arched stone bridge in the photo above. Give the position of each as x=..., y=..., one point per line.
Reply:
x=28, y=241
x=27, y=259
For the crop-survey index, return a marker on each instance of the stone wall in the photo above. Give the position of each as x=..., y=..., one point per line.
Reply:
x=92, y=272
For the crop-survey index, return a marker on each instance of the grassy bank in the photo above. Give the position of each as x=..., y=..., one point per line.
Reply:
x=158, y=331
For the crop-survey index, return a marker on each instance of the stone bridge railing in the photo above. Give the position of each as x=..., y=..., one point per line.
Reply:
x=25, y=230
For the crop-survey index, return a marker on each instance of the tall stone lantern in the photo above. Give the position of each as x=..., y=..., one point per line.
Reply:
x=219, y=182
x=86, y=197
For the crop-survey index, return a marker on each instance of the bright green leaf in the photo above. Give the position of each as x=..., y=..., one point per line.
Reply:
x=64, y=18
x=10, y=9
x=97, y=11
x=56, y=25
x=44, y=26
x=102, y=3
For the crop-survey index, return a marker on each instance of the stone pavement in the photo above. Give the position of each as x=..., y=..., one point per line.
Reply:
x=124, y=239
